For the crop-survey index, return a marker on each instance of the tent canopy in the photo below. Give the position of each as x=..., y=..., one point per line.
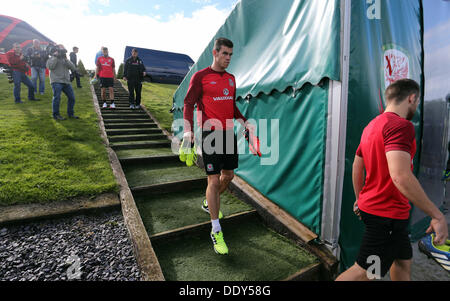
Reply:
x=277, y=46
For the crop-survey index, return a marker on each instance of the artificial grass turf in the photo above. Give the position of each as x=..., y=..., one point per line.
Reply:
x=133, y=153
x=150, y=174
x=175, y=210
x=43, y=160
x=255, y=254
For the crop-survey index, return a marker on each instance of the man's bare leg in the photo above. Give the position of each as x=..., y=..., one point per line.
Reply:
x=103, y=94
x=401, y=270
x=213, y=196
x=111, y=94
x=355, y=273
x=225, y=178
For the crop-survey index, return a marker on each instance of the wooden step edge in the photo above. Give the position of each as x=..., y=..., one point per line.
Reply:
x=149, y=159
x=309, y=273
x=170, y=234
x=172, y=186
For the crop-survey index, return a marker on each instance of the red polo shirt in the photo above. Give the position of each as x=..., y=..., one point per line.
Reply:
x=380, y=197
x=106, y=67
x=215, y=95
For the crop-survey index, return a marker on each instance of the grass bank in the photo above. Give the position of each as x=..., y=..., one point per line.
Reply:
x=43, y=160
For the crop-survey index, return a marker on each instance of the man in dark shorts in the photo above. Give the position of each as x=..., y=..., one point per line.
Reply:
x=214, y=91
x=386, y=151
x=107, y=73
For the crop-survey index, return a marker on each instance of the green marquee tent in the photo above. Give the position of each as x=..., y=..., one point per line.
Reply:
x=312, y=74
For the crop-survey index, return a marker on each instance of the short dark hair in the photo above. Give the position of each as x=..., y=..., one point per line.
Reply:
x=75, y=48
x=401, y=89
x=134, y=50
x=222, y=42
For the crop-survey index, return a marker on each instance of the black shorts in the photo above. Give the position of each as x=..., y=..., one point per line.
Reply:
x=106, y=82
x=219, y=152
x=386, y=238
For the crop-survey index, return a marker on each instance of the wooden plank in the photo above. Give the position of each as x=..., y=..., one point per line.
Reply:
x=19, y=214
x=310, y=273
x=193, y=228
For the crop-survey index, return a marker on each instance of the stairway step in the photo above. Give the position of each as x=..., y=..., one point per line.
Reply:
x=133, y=131
x=128, y=121
x=255, y=253
x=131, y=126
x=124, y=116
x=148, y=144
x=158, y=189
x=136, y=138
x=157, y=173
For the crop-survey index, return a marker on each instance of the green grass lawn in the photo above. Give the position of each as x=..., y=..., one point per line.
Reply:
x=43, y=160
x=158, y=99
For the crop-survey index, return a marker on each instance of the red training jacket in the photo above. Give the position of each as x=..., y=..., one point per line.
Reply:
x=215, y=95
x=15, y=62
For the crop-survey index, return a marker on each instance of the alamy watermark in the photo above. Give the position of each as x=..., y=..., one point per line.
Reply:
x=74, y=271
x=373, y=9
x=373, y=272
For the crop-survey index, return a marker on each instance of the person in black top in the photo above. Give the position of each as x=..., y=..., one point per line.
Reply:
x=134, y=72
x=73, y=59
x=37, y=58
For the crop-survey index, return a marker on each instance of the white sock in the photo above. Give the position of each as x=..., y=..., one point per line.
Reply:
x=216, y=226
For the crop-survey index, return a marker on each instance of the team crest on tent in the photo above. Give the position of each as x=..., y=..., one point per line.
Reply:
x=396, y=65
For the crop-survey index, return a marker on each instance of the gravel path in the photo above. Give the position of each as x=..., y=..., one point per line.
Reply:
x=87, y=247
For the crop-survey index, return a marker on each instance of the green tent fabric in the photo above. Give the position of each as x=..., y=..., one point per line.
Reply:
x=381, y=50
x=281, y=54
x=277, y=46
x=295, y=181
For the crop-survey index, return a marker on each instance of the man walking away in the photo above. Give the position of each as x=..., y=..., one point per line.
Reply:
x=134, y=72
x=386, y=151
x=107, y=73
x=59, y=67
x=19, y=67
x=213, y=90
x=38, y=59
x=73, y=59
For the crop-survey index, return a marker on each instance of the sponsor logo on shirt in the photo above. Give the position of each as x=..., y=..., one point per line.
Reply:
x=210, y=167
x=226, y=92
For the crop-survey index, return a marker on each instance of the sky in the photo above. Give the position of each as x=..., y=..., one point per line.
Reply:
x=182, y=26
x=437, y=48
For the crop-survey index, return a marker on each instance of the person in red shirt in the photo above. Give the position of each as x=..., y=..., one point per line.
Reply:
x=386, y=151
x=213, y=90
x=107, y=73
x=19, y=67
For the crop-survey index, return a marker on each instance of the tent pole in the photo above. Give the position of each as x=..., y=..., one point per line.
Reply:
x=336, y=138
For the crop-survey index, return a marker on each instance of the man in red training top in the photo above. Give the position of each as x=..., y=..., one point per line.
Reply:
x=386, y=151
x=19, y=67
x=213, y=90
x=107, y=73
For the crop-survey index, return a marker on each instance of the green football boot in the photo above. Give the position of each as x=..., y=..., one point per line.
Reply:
x=220, y=247
x=206, y=209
